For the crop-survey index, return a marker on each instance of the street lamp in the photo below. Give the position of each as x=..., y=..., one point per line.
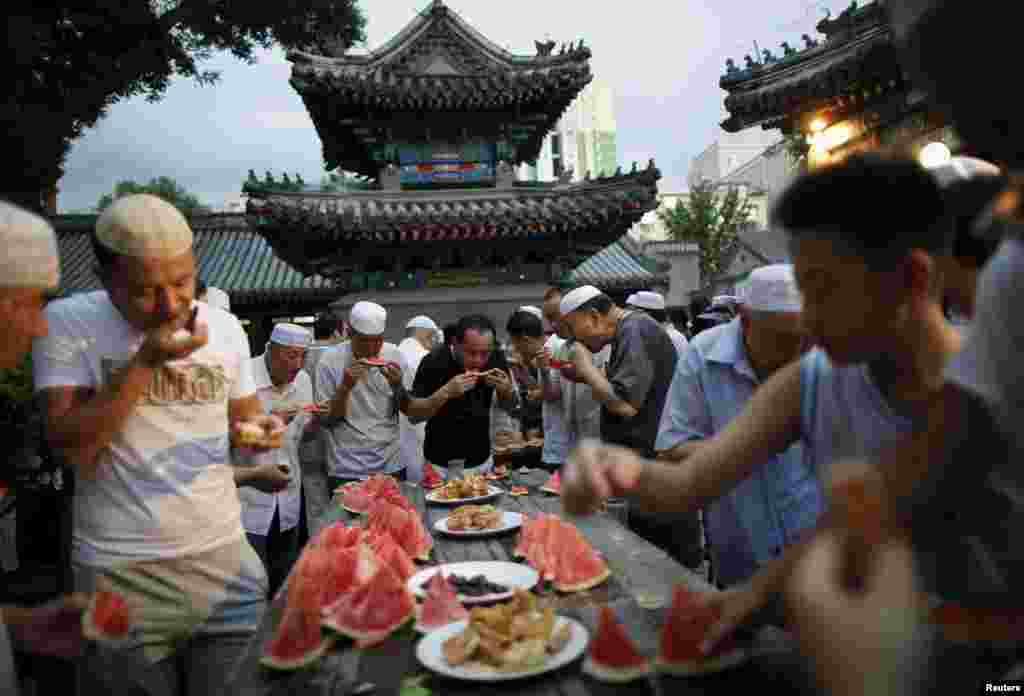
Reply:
x=934, y=155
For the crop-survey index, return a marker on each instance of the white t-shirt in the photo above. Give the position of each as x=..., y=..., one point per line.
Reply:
x=164, y=486
x=258, y=507
x=555, y=413
x=367, y=441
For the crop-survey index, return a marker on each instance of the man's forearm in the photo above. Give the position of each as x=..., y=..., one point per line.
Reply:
x=681, y=452
x=420, y=410
x=83, y=430
x=339, y=404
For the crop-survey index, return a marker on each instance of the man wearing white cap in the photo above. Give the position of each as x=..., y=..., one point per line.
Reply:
x=28, y=272
x=653, y=303
x=144, y=390
x=715, y=378
x=364, y=381
x=420, y=338
x=271, y=520
x=632, y=391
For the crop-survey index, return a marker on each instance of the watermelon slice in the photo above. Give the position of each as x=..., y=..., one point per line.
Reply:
x=441, y=606
x=553, y=484
x=579, y=567
x=356, y=499
x=107, y=618
x=686, y=626
x=561, y=554
x=393, y=555
x=373, y=610
x=378, y=361
x=404, y=525
x=431, y=479
x=612, y=656
x=339, y=536
x=297, y=642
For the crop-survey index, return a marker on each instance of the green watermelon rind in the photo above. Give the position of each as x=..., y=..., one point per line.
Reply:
x=707, y=665
x=91, y=631
x=586, y=584
x=271, y=662
x=615, y=675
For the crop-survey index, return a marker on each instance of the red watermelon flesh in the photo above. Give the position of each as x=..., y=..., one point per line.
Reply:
x=612, y=656
x=297, y=641
x=339, y=536
x=380, y=362
x=441, y=606
x=393, y=555
x=356, y=499
x=403, y=525
x=686, y=626
x=579, y=567
x=553, y=484
x=306, y=584
x=107, y=617
x=373, y=610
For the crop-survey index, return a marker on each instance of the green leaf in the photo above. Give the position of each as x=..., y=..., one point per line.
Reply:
x=413, y=686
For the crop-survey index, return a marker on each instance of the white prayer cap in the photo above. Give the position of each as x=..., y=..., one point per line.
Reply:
x=141, y=225
x=530, y=309
x=771, y=289
x=961, y=168
x=645, y=299
x=215, y=297
x=724, y=300
x=368, y=318
x=30, y=258
x=291, y=335
x=421, y=322
x=577, y=298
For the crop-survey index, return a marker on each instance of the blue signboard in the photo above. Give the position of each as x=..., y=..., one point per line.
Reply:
x=422, y=165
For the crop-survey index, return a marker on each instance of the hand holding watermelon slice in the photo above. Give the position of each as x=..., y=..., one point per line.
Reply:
x=107, y=618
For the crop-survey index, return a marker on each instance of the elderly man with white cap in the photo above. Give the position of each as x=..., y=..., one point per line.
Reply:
x=715, y=378
x=632, y=391
x=284, y=388
x=28, y=273
x=144, y=389
x=364, y=382
x=653, y=303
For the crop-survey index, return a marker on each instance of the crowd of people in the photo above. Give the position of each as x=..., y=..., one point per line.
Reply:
x=884, y=353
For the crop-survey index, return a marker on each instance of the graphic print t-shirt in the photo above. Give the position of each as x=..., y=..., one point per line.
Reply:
x=164, y=487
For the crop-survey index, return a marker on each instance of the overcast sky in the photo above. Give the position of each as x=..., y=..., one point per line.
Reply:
x=662, y=58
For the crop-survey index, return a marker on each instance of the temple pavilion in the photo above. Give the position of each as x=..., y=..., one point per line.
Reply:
x=434, y=123
x=842, y=92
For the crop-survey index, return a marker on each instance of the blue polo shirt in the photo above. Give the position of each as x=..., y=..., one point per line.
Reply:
x=753, y=523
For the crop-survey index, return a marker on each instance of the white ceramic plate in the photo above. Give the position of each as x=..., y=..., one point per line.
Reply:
x=429, y=653
x=514, y=576
x=509, y=521
x=493, y=492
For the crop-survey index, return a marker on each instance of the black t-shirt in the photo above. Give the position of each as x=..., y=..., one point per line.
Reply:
x=462, y=428
x=640, y=369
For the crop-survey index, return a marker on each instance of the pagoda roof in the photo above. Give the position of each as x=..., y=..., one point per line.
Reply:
x=616, y=267
x=229, y=256
x=438, y=64
x=855, y=62
x=333, y=233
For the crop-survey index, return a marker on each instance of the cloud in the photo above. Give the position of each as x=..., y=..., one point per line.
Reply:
x=282, y=120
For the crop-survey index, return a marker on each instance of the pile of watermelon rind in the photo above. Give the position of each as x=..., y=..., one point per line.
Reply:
x=349, y=580
x=360, y=497
x=686, y=626
x=107, y=618
x=440, y=606
x=561, y=554
x=612, y=656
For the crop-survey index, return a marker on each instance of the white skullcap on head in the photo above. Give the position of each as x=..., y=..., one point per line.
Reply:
x=724, y=300
x=962, y=168
x=144, y=226
x=421, y=322
x=291, y=335
x=215, y=297
x=368, y=318
x=530, y=309
x=771, y=289
x=577, y=298
x=29, y=258
x=645, y=299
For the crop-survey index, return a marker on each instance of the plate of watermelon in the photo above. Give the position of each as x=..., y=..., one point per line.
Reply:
x=481, y=578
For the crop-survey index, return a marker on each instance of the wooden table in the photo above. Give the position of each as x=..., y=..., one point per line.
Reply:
x=635, y=564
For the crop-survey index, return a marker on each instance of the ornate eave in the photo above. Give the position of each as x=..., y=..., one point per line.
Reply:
x=335, y=234
x=856, y=63
x=440, y=69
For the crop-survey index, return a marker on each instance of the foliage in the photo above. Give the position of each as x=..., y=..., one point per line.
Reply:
x=711, y=220
x=15, y=402
x=164, y=187
x=66, y=63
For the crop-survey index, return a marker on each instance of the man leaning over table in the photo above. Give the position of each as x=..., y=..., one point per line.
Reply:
x=715, y=378
x=362, y=431
x=144, y=388
x=271, y=520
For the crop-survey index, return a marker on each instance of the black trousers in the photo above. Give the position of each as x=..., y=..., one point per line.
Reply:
x=278, y=551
